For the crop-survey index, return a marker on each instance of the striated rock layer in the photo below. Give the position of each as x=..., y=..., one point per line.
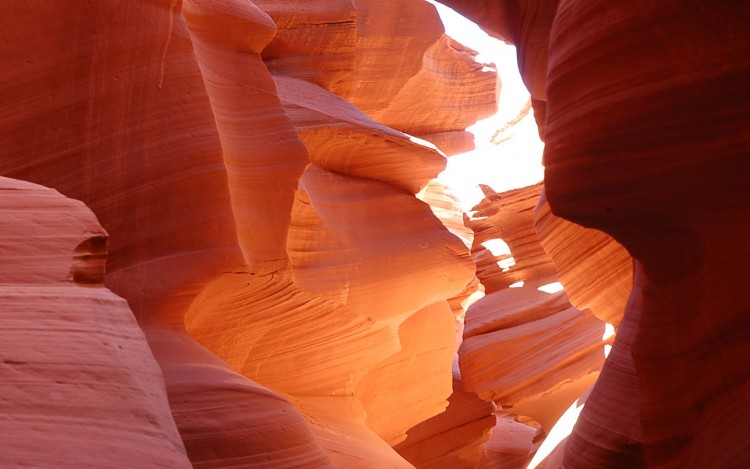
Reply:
x=109, y=107
x=257, y=173
x=529, y=352
x=79, y=383
x=646, y=141
x=597, y=272
x=685, y=215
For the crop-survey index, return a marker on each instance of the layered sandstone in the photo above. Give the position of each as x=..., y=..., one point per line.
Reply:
x=645, y=142
x=225, y=419
x=596, y=270
x=108, y=106
x=257, y=166
x=79, y=383
x=561, y=347
x=683, y=219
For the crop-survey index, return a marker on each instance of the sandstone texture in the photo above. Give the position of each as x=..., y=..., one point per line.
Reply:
x=222, y=243
x=79, y=383
x=644, y=113
x=256, y=166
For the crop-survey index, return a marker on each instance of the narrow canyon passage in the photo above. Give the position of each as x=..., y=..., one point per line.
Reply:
x=292, y=234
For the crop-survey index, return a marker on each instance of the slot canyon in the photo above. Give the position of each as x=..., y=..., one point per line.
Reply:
x=225, y=240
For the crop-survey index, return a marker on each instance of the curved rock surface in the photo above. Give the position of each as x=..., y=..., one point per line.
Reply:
x=596, y=270
x=270, y=218
x=686, y=209
x=645, y=141
x=226, y=420
x=109, y=107
x=454, y=438
x=508, y=217
x=557, y=344
x=263, y=155
x=342, y=139
x=79, y=383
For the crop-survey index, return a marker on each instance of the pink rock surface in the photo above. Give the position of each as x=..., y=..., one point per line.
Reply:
x=108, y=106
x=79, y=384
x=684, y=218
x=164, y=118
x=512, y=443
x=339, y=426
x=226, y=420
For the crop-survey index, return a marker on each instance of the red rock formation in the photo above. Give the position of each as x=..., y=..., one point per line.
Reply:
x=454, y=438
x=262, y=153
x=108, y=106
x=314, y=41
x=410, y=27
x=526, y=24
x=163, y=117
x=460, y=91
x=508, y=217
x=343, y=140
x=512, y=443
x=79, y=384
x=596, y=271
x=646, y=142
x=680, y=67
x=427, y=349
x=226, y=420
x=557, y=344
x=341, y=240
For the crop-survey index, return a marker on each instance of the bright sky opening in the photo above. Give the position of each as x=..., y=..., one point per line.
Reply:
x=514, y=163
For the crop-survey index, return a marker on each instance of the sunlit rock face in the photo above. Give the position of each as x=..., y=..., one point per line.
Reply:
x=646, y=106
x=256, y=167
x=596, y=270
x=526, y=350
x=79, y=383
x=108, y=106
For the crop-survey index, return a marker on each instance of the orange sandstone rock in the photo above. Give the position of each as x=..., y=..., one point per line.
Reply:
x=426, y=355
x=107, y=105
x=453, y=438
x=508, y=216
x=343, y=140
x=79, y=384
x=555, y=342
x=163, y=117
x=596, y=271
x=226, y=420
x=512, y=443
x=664, y=171
x=262, y=153
x=408, y=28
x=314, y=41
x=459, y=89
x=358, y=240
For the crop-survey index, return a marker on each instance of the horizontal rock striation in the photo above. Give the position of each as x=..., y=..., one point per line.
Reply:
x=645, y=141
x=256, y=168
x=79, y=383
